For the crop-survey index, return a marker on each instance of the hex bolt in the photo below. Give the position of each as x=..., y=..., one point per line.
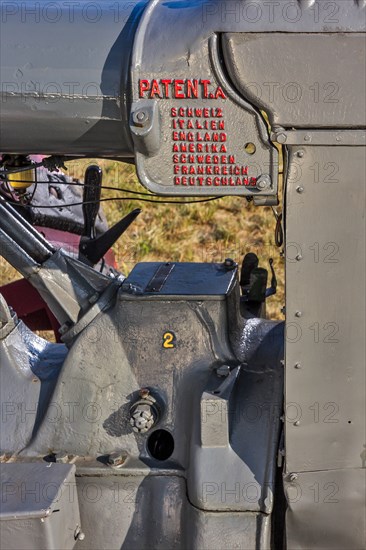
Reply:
x=300, y=189
x=298, y=257
x=293, y=477
x=140, y=118
x=117, y=458
x=298, y=314
x=264, y=182
x=300, y=154
x=281, y=138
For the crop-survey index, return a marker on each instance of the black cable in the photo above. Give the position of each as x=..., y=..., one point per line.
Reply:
x=77, y=183
x=110, y=199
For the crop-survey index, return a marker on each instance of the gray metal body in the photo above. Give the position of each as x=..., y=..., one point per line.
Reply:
x=175, y=329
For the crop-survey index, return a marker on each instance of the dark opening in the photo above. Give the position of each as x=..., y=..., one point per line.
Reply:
x=160, y=444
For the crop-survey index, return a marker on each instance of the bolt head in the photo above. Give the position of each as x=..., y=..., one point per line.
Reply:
x=300, y=154
x=298, y=314
x=293, y=477
x=299, y=257
x=300, y=189
x=263, y=182
x=140, y=118
x=281, y=138
x=297, y=365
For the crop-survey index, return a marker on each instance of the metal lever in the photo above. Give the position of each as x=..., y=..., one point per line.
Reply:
x=93, y=250
x=91, y=199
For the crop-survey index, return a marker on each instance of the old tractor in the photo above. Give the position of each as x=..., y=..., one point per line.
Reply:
x=173, y=413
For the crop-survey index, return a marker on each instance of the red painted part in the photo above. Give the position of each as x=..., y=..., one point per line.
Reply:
x=30, y=307
x=70, y=243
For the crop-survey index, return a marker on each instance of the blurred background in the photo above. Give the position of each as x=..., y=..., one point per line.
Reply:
x=201, y=232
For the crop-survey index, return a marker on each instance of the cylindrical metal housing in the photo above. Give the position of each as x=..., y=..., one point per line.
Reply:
x=65, y=77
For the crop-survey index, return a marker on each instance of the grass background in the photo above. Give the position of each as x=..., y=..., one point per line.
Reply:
x=202, y=232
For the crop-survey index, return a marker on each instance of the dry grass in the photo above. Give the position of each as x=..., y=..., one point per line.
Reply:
x=203, y=232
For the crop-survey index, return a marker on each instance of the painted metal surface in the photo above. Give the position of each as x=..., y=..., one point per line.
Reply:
x=176, y=332
x=36, y=509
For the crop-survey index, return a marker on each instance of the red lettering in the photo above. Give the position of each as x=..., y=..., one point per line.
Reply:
x=155, y=90
x=192, y=89
x=144, y=86
x=178, y=86
x=219, y=93
x=205, y=84
x=166, y=83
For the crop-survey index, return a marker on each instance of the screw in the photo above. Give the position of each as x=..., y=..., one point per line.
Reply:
x=297, y=423
x=140, y=118
x=281, y=138
x=307, y=137
x=300, y=154
x=117, y=458
x=297, y=365
x=300, y=189
x=298, y=257
x=298, y=314
x=293, y=477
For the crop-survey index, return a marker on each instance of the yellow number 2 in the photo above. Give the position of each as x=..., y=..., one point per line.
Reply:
x=168, y=340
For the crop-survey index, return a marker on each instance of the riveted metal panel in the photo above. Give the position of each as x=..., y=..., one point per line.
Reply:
x=294, y=90
x=326, y=510
x=325, y=309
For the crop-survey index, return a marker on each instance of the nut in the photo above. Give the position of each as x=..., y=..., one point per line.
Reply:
x=140, y=118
